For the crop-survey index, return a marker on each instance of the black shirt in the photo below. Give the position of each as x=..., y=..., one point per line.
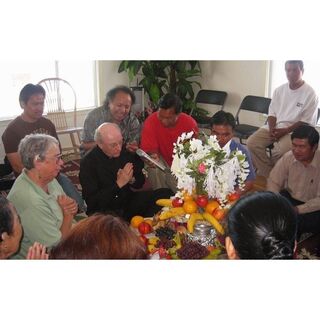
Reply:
x=98, y=175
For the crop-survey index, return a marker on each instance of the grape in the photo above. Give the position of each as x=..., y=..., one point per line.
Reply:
x=165, y=232
x=192, y=250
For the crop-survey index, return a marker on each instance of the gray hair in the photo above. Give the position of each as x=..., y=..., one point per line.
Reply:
x=35, y=146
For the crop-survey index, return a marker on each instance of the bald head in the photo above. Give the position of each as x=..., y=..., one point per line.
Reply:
x=109, y=139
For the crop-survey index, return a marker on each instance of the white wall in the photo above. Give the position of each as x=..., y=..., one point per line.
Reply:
x=109, y=77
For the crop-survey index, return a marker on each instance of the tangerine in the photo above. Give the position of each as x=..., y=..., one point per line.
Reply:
x=211, y=206
x=187, y=196
x=219, y=213
x=136, y=220
x=190, y=206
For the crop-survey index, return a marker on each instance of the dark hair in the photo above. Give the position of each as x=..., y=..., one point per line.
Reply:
x=29, y=90
x=263, y=225
x=113, y=92
x=223, y=118
x=169, y=101
x=306, y=132
x=100, y=237
x=298, y=62
x=6, y=217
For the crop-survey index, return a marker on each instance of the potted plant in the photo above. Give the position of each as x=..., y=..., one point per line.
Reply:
x=161, y=77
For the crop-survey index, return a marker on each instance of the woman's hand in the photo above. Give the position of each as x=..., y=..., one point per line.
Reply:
x=67, y=205
x=37, y=252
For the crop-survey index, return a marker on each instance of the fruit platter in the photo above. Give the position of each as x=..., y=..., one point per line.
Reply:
x=190, y=227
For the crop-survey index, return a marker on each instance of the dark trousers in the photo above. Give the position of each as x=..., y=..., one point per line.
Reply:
x=143, y=203
x=307, y=222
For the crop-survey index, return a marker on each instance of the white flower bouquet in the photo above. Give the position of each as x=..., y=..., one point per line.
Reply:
x=202, y=166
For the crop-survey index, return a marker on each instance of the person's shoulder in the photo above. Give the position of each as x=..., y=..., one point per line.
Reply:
x=151, y=120
x=21, y=183
x=90, y=156
x=152, y=116
x=185, y=115
x=282, y=87
x=186, y=118
x=237, y=145
x=96, y=111
x=306, y=86
x=14, y=122
x=288, y=157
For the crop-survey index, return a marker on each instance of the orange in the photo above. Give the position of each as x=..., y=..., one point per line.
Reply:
x=190, y=206
x=211, y=206
x=136, y=220
x=149, y=221
x=187, y=196
x=219, y=213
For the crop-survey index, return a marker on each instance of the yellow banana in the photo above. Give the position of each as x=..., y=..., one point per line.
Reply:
x=171, y=213
x=164, y=202
x=214, y=222
x=193, y=218
x=153, y=240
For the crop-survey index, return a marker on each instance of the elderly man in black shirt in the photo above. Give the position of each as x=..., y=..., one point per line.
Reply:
x=108, y=173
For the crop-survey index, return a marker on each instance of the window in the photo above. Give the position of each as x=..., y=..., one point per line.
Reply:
x=14, y=75
x=311, y=75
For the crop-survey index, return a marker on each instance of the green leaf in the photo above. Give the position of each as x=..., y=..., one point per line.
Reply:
x=154, y=93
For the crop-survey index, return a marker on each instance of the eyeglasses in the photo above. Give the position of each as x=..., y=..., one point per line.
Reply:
x=57, y=157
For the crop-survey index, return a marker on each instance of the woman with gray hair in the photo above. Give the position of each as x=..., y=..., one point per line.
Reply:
x=46, y=212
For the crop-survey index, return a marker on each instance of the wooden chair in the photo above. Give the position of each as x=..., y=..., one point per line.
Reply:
x=60, y=99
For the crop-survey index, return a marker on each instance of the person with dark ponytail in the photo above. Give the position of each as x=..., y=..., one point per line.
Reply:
x=262, y=225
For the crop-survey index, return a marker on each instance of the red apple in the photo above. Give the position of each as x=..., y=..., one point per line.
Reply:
x=177, y=202
x=144, y=227
x=233, y=196
x=202, y=201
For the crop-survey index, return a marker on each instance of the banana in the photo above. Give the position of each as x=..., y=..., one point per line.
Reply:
x=214, y=222
x=153, y=240
x=193, y=218
x=171, y=213
x=164, y=202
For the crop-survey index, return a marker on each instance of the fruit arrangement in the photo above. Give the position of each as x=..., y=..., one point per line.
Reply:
x=195, y=208
x=171, y=234
x=168, y=239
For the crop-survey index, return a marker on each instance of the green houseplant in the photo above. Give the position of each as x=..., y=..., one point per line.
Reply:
x=161, y=77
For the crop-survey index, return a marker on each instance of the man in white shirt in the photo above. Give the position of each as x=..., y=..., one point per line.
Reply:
x=293, y=104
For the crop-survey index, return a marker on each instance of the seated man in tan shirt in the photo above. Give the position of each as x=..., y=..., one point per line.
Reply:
x=297, y=177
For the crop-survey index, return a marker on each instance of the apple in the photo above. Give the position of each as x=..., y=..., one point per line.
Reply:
x=144, y=227
x=233, y=196
x=177, y=202
x=202, y=201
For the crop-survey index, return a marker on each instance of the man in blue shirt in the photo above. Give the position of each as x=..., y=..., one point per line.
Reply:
x=222, y=126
